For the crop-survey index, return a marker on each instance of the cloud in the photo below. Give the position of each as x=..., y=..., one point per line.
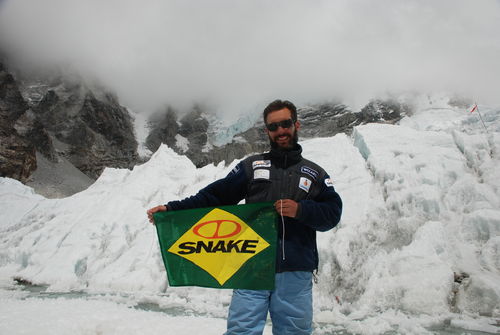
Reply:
x=238, y=54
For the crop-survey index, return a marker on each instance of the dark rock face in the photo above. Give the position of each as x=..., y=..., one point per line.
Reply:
x=89, y=127
x=383, y=111
x=17, y=157
x=17, y=154
x=329, y=119
x=163, y=130
x=194, y=127
x=30, y=127
x=62, y=118
x=12, y=103
x=326, y=119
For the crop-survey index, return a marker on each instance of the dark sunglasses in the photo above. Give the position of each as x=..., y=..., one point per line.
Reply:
x=283, y=124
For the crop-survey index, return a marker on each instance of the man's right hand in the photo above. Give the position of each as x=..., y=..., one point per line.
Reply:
x=151, y=211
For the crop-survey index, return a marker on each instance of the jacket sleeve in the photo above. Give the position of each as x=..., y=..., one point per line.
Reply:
x=324, y=212
x=226, y=191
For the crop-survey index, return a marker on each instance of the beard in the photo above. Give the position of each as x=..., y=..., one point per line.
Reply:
x=292, y=143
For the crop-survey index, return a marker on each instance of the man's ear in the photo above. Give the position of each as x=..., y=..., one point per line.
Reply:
x=297, y=125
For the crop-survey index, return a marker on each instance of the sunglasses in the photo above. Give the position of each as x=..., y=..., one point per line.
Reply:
x=283, y=124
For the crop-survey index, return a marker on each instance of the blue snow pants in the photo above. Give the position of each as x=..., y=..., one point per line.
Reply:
x=289, y=305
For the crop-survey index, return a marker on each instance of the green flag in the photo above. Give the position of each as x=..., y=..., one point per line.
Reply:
x=221, y=247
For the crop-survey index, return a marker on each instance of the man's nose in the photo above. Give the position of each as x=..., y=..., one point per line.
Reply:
x=281, y=130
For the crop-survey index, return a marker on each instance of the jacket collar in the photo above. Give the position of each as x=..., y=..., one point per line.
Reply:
x=284, y=158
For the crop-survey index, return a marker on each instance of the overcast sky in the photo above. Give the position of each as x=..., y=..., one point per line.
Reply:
x=236, y=54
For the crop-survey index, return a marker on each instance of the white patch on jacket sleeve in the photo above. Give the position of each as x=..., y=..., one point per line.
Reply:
x=261, y=174
x=328, y=182
x=305, y=184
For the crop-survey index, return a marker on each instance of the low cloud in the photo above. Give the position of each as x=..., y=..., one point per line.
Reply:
x=235, y=55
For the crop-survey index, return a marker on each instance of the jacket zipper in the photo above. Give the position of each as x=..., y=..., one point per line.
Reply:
x=283, y=185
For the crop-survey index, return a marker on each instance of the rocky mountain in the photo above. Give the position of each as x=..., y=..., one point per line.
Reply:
x=188, y=135
x=59, y=132
x=71, y=126
x=88, y=126
x=17, y=152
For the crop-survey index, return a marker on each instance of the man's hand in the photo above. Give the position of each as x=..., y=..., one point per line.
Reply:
x=287, y=207
x=153, y=210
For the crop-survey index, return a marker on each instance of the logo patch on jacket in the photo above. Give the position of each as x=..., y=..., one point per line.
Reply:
x=261, y=164
x=309, y=171
x=328, y=182
x=235, y=170
x=261, y=174
x=305, y=184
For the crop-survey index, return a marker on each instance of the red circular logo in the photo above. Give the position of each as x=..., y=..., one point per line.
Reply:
x=218, y=227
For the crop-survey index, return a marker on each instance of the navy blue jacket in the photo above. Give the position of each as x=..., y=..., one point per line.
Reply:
x=275, y=175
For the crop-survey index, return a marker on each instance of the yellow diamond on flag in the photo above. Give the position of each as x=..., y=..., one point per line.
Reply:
x=219, y=243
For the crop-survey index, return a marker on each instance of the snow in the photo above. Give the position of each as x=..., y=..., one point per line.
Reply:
x=221, y=132
x=78, y=316
x=141, y=130
x=421, y=205
x=182, y=143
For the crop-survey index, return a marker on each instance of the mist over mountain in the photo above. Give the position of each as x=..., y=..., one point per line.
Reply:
x=237, y=56
x=217, y=65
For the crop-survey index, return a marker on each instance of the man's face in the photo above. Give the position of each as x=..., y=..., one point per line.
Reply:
x=282, y=137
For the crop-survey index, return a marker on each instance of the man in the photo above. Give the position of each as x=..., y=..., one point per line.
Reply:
x=304, y=196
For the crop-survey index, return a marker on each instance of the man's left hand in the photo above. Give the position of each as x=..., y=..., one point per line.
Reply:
x=287, y=207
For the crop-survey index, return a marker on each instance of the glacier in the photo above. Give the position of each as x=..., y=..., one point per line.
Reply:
x=417, y=250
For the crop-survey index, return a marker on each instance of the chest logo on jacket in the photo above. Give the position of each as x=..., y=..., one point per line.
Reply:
x=219, y=243
x=309, y=171
x=261, y=164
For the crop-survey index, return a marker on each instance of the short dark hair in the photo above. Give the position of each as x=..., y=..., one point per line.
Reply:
x=277, y=105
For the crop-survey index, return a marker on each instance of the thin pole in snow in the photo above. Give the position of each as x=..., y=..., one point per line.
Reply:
x=480, y=117
x=488, y=138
